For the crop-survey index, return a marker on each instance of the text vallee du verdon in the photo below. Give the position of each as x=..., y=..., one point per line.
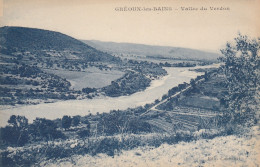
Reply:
x=136, y=8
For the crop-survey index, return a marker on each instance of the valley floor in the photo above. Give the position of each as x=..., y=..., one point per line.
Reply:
x=220, y=151
x=155, y=91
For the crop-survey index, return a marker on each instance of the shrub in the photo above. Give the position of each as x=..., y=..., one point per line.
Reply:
x=107, y=146
x=66, y=122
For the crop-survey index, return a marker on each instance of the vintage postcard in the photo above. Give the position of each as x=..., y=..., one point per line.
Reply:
x=156, y=83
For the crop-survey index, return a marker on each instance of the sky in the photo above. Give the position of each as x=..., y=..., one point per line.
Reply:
x=98, y=20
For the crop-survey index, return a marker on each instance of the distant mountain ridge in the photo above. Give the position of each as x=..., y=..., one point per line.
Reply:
x=152, y=51
x=13, y=39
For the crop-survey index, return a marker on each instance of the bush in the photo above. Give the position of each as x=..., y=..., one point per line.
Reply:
x=89, y=90
x=107, y=146
x=137, y=125
x=75, y=120
x=14, y=136
x=44, y=129
x=206, y=133
x=66, y=122
x=84, y=133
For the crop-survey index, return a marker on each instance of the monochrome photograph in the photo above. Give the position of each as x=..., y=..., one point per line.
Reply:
x=129, y=83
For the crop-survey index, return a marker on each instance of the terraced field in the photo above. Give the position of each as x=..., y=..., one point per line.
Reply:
x=190, y=109
x=171, y=121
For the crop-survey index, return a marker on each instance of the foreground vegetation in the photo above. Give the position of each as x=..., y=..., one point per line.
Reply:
x=229, y=150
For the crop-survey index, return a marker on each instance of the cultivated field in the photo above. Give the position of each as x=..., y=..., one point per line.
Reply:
x=92, y=77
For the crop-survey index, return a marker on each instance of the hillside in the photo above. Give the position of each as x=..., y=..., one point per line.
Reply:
x=30, y=60
x=152, y=51
x=220, y=151
x=20, y=39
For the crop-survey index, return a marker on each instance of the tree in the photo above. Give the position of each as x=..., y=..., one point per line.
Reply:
x=115, y=122
x=85, y=132
x=75, y=120
x=242, y=70
x=138, y=125
x=18, y=121
x=45, y=129
x=192, y=83
x=17, y=132
x=206, y=76
x=89, y=90
x=66, y=121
